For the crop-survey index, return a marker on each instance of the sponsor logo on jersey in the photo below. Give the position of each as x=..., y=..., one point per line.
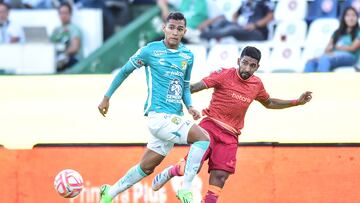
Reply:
x=240, y=97
x=159, y=52
x=174, y=92
x=184, y=55
x=183, y=64
x=140, y=62
x=174, y=73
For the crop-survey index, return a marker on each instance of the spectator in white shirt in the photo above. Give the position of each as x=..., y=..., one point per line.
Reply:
x=9, y=32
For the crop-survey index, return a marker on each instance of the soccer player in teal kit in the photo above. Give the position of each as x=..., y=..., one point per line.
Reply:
x=168, y=65
x=234, y=90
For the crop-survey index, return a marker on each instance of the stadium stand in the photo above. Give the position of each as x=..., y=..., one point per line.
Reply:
x=29, y=63
x=319, y=33
x=289, y=26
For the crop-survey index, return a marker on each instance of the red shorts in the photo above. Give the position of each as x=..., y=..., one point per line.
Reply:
x=223, y=147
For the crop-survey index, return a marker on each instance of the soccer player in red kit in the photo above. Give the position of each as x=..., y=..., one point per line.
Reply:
x=234, y=90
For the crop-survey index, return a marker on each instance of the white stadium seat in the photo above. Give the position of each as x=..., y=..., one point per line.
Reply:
x=285, y=58
x=290, y=31
x=294, y=9
x=223, y=55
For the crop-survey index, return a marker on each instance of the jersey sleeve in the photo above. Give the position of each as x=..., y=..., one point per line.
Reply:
x=140, y=58
x=214, y=79
x=136, y=61
x=262, y=94
x=186, y=91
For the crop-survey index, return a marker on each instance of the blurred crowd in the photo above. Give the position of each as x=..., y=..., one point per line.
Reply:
x=68, y=36
x=208, y=21
x=256, y=20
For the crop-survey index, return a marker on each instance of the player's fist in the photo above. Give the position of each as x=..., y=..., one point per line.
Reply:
x=104, y=106
x=195, y=113
x=305, y=98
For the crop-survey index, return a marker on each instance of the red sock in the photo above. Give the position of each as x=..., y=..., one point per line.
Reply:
x=212, y=194
x=178, y=169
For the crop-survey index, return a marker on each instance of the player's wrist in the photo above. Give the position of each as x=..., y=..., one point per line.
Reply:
x=294, y=102
x=106, y=98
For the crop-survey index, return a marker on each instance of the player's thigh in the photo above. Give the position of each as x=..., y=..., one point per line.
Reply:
x=159, y=146
x=169, y=127
x=196, y=133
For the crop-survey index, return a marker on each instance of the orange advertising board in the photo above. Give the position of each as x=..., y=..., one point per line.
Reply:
x=264, y=174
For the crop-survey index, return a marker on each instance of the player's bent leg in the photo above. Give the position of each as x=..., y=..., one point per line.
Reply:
x=150, y=160
x=217, y=181
x=200, y=143
x=147, y=165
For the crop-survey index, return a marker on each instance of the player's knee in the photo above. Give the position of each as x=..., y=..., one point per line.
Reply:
x=219, y=177
x=223, y=178
x=147, y=169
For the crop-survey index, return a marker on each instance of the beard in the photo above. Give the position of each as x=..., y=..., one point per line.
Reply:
x=245, y=75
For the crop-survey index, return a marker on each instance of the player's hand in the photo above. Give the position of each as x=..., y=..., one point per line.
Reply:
x=195, y=113
x=104, y=106
x=305, y=98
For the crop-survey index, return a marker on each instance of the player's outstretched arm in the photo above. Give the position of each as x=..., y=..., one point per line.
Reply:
x=196, y=87
x=273, y=103
x=124, y=72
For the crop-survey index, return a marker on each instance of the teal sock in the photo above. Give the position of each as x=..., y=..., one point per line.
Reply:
x=196, y=153
x=134, y=175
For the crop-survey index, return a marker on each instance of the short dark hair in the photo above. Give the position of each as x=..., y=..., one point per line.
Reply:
x=5, y=4
x=66, y=4
x=176, y=16
x=252, y=52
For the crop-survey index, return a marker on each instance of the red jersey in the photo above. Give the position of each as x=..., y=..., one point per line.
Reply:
x=232, y=97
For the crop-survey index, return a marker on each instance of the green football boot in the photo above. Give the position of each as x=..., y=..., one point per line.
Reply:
x=185, y=196
x=104, y=194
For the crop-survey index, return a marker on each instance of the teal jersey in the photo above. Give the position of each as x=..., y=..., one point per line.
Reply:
x=167, y=76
